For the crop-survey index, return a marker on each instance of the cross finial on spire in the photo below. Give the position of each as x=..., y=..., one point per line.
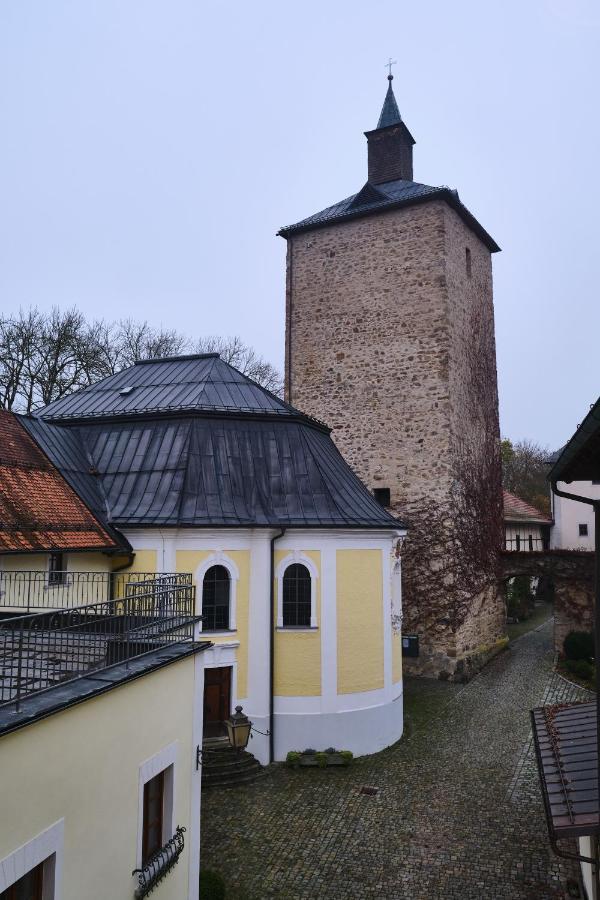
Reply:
x=391, y=62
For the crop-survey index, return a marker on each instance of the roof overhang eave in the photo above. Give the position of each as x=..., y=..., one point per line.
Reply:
x=445, y=194
x=580, y=458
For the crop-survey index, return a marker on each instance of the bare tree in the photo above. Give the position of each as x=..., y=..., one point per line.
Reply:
x=242, y=357
x=44, y=356
x=524, y=471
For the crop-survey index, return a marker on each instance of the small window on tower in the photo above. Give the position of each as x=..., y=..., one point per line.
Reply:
x=468, y=261
x=583, y=530
x=382, y=495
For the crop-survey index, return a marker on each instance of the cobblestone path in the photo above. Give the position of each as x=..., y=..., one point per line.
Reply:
x=458, y=813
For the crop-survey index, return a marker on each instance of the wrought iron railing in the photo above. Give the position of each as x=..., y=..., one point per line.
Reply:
x=30, y=590
x=159, y=864
x=40, y=650
x=527, y=543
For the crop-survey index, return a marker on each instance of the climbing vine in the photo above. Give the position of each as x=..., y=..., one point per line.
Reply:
x=451, y=555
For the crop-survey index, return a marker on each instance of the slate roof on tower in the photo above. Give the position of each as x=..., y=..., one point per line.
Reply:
x=390, y=156
x=190, y=441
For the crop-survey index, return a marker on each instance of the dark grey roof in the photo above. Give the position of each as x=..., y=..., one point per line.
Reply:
x=208, y=471
x=200, y=382
x=579, y=459
x=390, y=114
x=202, y=465
x=394, y=195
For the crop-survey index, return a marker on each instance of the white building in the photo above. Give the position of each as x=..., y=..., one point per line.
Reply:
x=526, y=528
x=574, y=522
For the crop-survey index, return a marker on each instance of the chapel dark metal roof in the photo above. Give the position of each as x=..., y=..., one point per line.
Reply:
x=202, y=382
x=566, y=748
x=212, y=466
x=394, y=194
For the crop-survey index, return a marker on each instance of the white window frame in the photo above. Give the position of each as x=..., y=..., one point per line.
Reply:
x=218, y=558
x=163, y=761
x=48, y=848
x=291, y=559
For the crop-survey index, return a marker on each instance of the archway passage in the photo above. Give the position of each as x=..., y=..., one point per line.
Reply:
x=572, y=572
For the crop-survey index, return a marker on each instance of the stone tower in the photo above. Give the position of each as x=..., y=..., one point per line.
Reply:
x=390, y=340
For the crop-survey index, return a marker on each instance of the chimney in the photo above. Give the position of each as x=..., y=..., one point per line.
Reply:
x=390, y=144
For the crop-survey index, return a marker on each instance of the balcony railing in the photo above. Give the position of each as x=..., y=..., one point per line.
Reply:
x=40, y=650
x=526, y=543
x=31, y=590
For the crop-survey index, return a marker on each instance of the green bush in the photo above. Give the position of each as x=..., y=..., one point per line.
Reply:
x=212, y=886
x=347, y=755
x=579, y=645
x=321, y=759
x=582, y=668
x=293, y=758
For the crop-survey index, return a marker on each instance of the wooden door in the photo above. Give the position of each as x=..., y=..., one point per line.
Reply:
x=217, y=699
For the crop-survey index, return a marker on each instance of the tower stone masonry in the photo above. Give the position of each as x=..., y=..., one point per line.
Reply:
x=390, y=341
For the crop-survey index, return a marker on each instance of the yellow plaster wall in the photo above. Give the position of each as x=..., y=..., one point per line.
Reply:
x=298, y=653
x=89, y=562
x=396, y=657
x=143, y=561
x=32, y=562
x=82, y=765
x=189, y=561
x=359, y=620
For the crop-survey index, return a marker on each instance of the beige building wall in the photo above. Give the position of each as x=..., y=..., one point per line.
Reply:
x=82, y=766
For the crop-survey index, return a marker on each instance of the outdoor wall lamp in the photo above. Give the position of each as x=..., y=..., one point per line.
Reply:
x=238, y=729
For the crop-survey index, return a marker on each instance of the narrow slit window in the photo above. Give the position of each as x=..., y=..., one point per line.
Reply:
x=468, y=262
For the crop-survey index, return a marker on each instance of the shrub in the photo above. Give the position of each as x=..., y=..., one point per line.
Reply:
x=582, y=668
x=579, y=645
x=347, y=756
x=293, y=758
x=321, y=759
x=330, y=750
x=212, y=886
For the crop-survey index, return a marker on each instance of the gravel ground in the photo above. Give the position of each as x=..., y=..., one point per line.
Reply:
x=457, y=814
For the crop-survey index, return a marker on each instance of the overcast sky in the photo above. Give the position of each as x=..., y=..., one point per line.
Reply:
x=152, y=148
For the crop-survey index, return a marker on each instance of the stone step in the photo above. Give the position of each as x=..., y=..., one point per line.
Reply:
x=231, y=781
x=226, y=767
x=226, y=771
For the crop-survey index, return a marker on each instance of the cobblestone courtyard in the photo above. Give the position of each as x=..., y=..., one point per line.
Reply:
x=458, y=813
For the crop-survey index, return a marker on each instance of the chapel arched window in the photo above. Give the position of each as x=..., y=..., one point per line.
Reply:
x=296, y=597
x=216, y=589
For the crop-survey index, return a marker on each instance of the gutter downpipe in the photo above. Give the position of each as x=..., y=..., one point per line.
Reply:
x=596, y=506
x=272, y=647
x=113, y=572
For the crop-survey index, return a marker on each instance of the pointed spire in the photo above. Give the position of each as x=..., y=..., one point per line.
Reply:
x=390, y=114
x=390, y=144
